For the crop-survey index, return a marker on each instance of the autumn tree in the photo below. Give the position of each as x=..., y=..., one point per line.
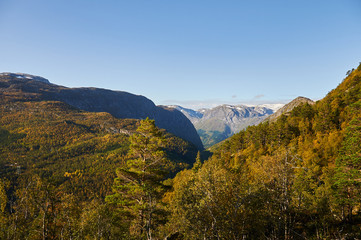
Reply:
x=3, y=203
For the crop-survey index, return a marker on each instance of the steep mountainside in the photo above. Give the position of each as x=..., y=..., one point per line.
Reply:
x=216, y=124
x=191, y=114
x=119, y=104
x=58, y=163
x=296, y=177
x=50, y=138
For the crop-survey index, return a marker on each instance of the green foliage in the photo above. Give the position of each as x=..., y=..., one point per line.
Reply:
x=58, y=161
x=347, y=180
x=138, y=187
x=295, y=178
x=209, y=138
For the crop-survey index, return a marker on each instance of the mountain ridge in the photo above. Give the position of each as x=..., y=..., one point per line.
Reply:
x=118, y=103
x=216, y=124
x=289, y=107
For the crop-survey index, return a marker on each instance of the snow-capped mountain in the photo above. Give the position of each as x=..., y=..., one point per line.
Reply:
x=272, y=106
x=192, y=115
x=216, y=124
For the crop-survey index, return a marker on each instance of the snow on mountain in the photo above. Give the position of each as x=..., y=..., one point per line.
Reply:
x=274, y=106
x=218, y=123
x=25, y=76
x=192, y=115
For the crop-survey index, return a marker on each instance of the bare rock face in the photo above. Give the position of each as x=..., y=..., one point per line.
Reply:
x=288, y=107
x=119, y=104
x=235, y=117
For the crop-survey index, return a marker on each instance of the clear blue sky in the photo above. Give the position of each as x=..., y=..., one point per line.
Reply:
x=188, y=52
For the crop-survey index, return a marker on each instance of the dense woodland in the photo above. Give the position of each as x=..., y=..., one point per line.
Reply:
x=69, y=174
x=296, y=178
x=57, y=165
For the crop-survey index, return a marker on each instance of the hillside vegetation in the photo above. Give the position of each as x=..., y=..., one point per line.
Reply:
x=70, y=174
x=298, y=177
x=118, y=103
x=57, y=164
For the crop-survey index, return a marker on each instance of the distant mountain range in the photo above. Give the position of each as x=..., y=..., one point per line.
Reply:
x=216, y=124
x=204, y=127
x=119, y=104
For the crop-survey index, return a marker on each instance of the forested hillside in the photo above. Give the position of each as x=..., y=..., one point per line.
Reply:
x=294, y=178
x=71, y=174
x=57, y=164
x=118, y=103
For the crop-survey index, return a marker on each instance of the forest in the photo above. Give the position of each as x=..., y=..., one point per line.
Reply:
x=71, y=174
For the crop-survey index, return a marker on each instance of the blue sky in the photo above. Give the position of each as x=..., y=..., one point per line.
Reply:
x=192, y=53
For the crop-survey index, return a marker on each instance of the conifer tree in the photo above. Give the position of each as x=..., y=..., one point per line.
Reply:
x=138, y=187
x=347, y=184
x=198, y=164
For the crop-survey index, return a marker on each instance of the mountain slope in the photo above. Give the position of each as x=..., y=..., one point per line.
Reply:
x=191, y=114
x=297, y=177
x=51, y=138
x=289, y=107
x=216, y=124
x=58, y=163
x=119, y=104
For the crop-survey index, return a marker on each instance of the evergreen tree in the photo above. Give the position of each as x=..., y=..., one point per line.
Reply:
x=198, y=164
x=347, y=184
x=138, y=187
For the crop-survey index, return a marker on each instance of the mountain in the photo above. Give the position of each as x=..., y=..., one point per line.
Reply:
x=216, y=124
x=289, y=107
x=191, y=114
x=119, y=104
x=24, y=76
x=295, y=177
x=54, y=137
x=273, y=106
x=58, y=161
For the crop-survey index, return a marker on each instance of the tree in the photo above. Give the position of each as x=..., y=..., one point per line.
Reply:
x=347, y=184
x=138, y=187
x=198, y=164
x=3, y=203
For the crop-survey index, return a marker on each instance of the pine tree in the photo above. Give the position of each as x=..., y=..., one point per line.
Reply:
x=198, y=164
x=138, y=187
x=347, y=184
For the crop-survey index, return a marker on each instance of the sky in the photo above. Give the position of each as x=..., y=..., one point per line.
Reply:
x=193, y=53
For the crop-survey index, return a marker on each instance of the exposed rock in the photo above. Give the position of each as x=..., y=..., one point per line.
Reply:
x=288, y=107
x=216, y=124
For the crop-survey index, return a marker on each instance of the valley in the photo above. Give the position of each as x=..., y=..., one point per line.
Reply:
x=217, y=124
x=82, y=162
